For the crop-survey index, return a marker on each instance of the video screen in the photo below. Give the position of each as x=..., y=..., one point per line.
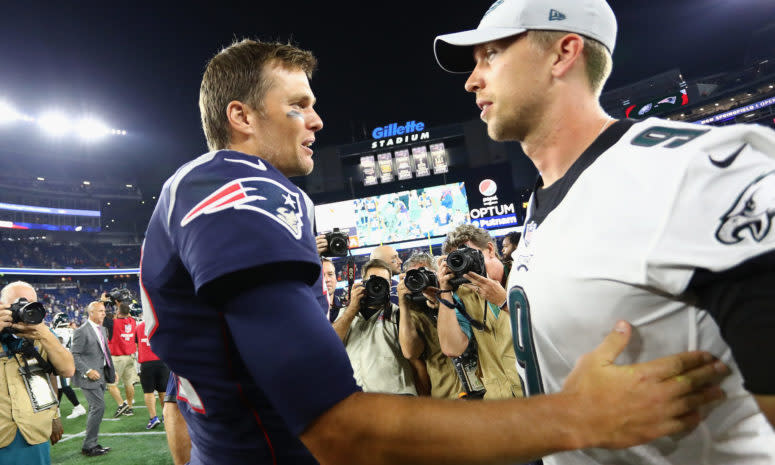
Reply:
x=399, y=216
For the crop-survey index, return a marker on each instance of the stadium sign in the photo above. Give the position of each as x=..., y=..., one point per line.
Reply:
x=493, y=212
x=395, y=134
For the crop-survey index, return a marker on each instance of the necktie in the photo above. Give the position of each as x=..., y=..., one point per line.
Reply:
x=102, y=346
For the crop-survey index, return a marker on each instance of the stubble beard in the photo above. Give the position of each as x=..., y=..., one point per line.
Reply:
x=507, y=128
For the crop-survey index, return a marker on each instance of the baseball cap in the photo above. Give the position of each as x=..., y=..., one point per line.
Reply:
x=506, y=18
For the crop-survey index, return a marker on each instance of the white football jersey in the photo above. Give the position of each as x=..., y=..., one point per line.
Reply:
x=66, y=334
x=619, y=237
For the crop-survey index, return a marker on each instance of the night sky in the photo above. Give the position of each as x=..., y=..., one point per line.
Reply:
x=138, y=65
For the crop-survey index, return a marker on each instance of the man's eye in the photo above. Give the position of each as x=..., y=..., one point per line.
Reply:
x=489, y=55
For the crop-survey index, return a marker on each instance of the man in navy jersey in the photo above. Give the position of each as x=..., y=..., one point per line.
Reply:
x=230, y=279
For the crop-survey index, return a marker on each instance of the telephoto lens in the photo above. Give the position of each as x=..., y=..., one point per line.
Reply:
x=377, y=292
x=465, y=260
x=24, y=311
x=338, y=243
x=418, y=280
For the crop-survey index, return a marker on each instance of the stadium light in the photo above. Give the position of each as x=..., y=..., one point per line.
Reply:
x=40, y=178
x=91, y=129
x=58, y=124
x=86, y=183
x=7, y=113
x=129, y=186
x=54, y=123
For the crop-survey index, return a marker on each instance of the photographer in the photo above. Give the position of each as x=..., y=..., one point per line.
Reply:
x=28, y=416
x=123, y=349
x=329, y=281
x=483, y=299
x=369, y=329
x=417, y=332
x=390, y=256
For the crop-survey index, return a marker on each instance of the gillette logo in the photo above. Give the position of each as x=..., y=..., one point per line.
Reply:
x=395, y=130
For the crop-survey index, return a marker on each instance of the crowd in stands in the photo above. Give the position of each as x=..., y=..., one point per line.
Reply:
x=72, y=296
x=40, y=254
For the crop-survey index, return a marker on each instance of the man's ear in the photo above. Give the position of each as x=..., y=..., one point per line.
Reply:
x=241, y=118
x=567, y=51
x=491, y=250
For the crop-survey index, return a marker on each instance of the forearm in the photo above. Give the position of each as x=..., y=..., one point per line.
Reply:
x=411, y=343
x=452, y=339
x=767, y=406
x=59, y=357
x=177, y=434
x=422, y=381
x=391, y=429
x=342, y=324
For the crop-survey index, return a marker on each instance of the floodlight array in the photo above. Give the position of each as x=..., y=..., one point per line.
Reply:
x=57, y=124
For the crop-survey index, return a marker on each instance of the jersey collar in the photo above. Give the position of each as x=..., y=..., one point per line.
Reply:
x=545, y=200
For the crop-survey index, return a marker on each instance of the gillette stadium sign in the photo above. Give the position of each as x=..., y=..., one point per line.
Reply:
x=493, y=213
x=396, y=134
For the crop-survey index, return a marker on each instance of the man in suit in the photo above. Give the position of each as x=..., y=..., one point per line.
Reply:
x=93, y=369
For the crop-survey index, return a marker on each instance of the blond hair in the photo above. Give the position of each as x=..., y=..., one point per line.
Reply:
x=468, y=232
x=597, y=59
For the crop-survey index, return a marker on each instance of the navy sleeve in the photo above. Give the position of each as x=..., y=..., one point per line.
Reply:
x=226, y=217
x=309, y=371
x=741, y=300
x=171, y=395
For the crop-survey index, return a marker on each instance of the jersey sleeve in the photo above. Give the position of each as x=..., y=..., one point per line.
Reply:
x=227, y=216
x=721, y=209
x=309, y=370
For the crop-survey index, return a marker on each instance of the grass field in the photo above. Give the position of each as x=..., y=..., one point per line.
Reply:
x=130, y=442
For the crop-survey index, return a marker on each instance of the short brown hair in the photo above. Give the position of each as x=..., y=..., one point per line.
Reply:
x=237, y=73
x=123, y=308
x=597, y=59
x=468, y=232
x=376, y=263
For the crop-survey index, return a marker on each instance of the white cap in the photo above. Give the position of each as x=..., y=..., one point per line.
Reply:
x=506, y=18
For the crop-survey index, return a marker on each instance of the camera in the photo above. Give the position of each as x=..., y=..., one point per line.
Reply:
x=418, y=280
x=118, y=295
x=464, y=260
x=377, y=292
x=24, y=311
x=338, y=243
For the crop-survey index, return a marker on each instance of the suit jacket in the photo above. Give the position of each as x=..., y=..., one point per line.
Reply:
x=88, y=355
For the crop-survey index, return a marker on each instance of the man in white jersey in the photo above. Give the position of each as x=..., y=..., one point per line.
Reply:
x=664, y=224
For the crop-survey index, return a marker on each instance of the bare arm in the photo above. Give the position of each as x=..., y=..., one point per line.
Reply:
x=451, y=337
x=767, y=405
x=601, y=405
x=342, y=324
x=412, y=345
x=178, y=439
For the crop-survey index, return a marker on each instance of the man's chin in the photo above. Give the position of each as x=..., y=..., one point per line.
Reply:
x=499, y=133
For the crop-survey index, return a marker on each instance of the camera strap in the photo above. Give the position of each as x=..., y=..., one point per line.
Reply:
x=35, y=371
x=349, y=268
x=29, y=351
x=460, y=307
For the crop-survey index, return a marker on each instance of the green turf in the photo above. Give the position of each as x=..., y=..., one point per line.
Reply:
x=138, y=449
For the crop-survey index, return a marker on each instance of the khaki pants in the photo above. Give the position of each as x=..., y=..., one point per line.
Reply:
x=125, y=369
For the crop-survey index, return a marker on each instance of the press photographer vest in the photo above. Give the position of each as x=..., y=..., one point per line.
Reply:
x=16, y=407
x=497, y=361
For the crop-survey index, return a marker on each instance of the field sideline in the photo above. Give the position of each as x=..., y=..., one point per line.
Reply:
x=130, y=442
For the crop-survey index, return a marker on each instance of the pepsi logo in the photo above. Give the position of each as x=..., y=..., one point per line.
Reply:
x=488, y=187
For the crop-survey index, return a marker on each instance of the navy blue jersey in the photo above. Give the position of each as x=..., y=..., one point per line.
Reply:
x=250, y=363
